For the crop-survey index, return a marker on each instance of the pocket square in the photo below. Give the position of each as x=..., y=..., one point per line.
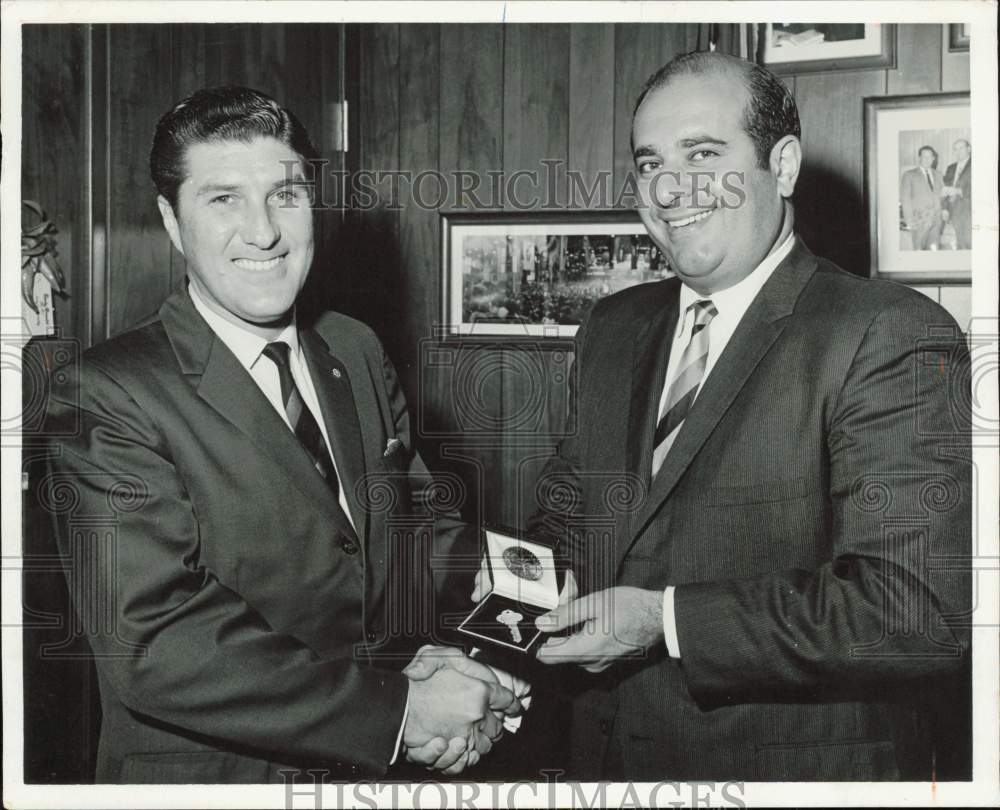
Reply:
x=391, y=447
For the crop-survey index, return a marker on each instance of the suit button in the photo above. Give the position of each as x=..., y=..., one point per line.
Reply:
x=349, y=547
x=605, y=727
x=370, y=635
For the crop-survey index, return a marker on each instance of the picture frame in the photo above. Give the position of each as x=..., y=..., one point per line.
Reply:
x=958, y=36
x=530, y=274
x=919, y=215
x=790, y=48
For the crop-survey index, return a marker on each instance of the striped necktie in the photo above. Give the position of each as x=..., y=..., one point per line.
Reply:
x=303, y=423
x=686, y=383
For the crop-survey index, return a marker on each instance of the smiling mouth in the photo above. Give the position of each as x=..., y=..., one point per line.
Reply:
x=677, y=224
x=259, y=264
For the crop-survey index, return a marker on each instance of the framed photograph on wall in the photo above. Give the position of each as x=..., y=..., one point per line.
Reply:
x=792, y=47
x=528, y=274
x=958, y=36
x=918, y=187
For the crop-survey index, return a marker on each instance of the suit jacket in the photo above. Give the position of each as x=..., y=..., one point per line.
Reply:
x=921, y=205
x=820, y=473
x=238, y=621
x=961, y=207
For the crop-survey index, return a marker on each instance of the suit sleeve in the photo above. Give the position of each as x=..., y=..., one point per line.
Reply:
x=453, y=557
x=559, y=488
x=171, y=640
x=906, y=198
x=891, y=603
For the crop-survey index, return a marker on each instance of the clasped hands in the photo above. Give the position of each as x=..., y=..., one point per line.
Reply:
x=611, y=625
x=456, y=708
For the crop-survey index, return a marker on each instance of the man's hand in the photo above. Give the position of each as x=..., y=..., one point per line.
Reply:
x=482, y=585
x=618, y=623
x=456, y=707
x=429, y=659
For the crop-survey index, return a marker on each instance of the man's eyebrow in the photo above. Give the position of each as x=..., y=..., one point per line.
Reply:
x=685, y=143
x=698, y=139
x=229, y=188
x=214, y=188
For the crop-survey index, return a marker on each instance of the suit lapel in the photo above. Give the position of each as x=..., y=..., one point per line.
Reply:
x=651, y=353
x=758, y=330
x=225, y=385
x=340, y=414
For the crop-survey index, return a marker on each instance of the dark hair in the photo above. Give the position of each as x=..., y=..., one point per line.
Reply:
x=927, y=148
x=219, y=114
x=770, y=113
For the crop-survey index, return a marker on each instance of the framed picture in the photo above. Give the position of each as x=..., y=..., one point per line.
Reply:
x=530, y=274
x=918, y=187
x=819, y=47
x=958, y=36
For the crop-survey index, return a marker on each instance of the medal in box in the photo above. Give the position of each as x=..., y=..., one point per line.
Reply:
x=524, y=586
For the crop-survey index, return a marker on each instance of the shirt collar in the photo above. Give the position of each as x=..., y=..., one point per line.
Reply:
x=244, y=344
x=736, y=299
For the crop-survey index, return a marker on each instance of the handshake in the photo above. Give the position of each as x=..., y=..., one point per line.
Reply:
x=456, y=708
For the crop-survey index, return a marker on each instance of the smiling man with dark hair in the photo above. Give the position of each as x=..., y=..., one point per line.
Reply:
x=249, y=585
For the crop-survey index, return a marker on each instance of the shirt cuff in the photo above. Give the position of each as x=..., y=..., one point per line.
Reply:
x=399, y=737
x=670, y=623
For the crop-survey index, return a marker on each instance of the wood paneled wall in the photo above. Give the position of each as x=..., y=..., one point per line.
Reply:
x=490, y=97
x=92, y=96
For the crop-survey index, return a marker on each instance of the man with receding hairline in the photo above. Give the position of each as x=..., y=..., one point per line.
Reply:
x=767, y=605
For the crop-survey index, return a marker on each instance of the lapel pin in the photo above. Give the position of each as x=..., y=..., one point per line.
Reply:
x=336, y=373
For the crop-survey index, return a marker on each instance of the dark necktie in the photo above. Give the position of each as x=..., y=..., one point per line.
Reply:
x=930, y=182
x=686, y=383
x=300, y=417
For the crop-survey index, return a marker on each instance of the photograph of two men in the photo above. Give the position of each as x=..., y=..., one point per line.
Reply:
x=488, y=401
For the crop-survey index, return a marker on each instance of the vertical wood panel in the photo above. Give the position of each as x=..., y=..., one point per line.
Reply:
x=918, y=60
x=188, y=43
x=536, y=111
x=375, y=276
x=829, y=200
x=640, y=49
x=471, y=99
x=139, y=272
x=54, y=165
x=419, y=54
x=591, y=104
x=954, y=66
x=957, y=299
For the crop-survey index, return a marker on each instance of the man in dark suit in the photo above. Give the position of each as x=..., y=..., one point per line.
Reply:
x=242, y=607
x=769, y=469
x=958, y=193
x=920, y=191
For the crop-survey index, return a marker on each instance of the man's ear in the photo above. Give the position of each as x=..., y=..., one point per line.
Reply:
x=786, y=161
x=170, y=222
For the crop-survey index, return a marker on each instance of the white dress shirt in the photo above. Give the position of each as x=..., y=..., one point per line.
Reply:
x=248, y=349
x=731, y=304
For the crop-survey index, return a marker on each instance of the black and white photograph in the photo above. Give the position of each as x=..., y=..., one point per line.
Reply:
x=805, y=47
x=918, y=150
x=499, y=404
x=530, y=275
